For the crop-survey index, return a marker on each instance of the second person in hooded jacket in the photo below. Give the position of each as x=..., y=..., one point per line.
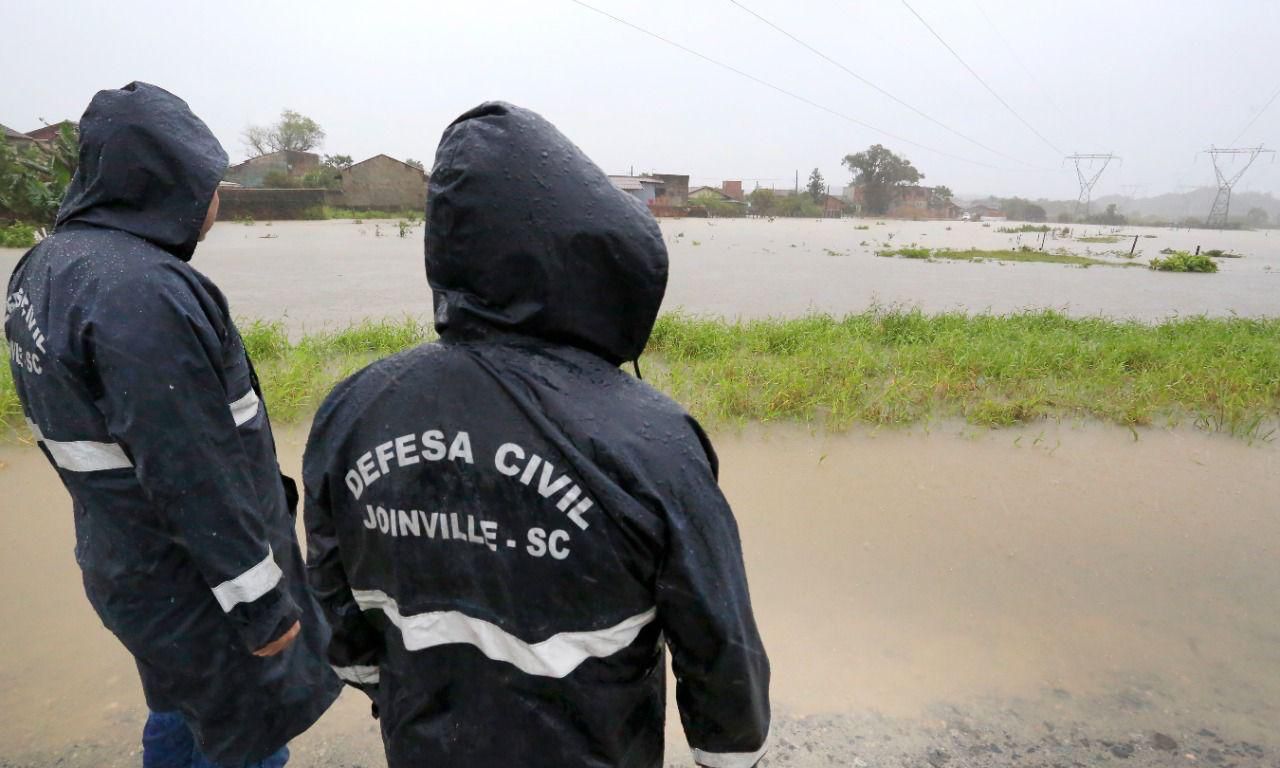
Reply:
x=504, y=529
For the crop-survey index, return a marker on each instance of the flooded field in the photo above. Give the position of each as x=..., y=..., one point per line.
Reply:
x=1059, y=591
x=1054, y=594
x=326, y=273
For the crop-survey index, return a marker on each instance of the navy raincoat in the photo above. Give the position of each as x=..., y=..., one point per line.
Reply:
x=505, y=530
x=135, y=382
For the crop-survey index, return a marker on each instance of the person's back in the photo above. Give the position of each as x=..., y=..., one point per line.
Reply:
x=135, y=382
x=503, y=527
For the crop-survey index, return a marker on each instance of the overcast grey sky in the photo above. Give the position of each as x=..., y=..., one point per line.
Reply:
x=1154, y=82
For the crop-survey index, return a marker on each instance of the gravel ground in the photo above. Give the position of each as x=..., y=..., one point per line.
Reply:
x=1058, y=731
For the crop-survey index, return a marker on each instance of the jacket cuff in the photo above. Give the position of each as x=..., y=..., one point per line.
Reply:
x=265, y=619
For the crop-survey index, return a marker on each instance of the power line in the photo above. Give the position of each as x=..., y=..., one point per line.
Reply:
x=872, y=85
x=974, y=72
x=786, y=92
x=1257, y=115
x=1026, y=70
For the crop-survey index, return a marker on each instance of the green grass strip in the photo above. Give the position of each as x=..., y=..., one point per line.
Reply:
x=881, y=367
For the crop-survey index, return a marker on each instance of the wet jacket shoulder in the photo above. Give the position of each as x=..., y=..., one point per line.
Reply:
x=505, y=530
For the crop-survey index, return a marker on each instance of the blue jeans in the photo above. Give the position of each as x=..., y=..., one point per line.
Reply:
x=167, y=742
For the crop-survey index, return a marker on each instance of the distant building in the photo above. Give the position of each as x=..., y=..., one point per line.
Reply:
x=908, y=202
x=252, y=173
x=383, y=183
x=832, y=207
x=733, y=189
x=48, y=133
x=15, y=138
x=712, y=194
x=985, y=213
x=674, y=192
x=646, y=189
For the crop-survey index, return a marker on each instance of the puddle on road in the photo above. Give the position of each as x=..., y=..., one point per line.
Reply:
x=891, y=571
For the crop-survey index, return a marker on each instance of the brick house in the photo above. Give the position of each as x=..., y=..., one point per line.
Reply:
x=384, y=183
x=252, y=173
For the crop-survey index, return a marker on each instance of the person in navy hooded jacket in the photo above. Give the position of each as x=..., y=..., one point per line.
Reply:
x=135, y=383
x=505, y=530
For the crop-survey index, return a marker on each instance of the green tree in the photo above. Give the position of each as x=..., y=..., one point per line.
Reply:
x=1034, y=212
x=1257, y=217
x=1111, y=217
x=762, y=201
x=415, y=163
x=817, y=186
x=797, y=206
x=280, y=180
x=942, y=195
x=294, y=131
x=878, y=171
x=324, y=177
x=34, y=179
x=716, y=205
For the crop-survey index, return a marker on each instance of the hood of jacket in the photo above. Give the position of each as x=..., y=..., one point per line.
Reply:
x=148, y=166
x=526, y=235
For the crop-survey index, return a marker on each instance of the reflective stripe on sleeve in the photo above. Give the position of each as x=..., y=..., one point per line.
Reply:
x=730, y=759
x=250, y=585
x=359, y=675
x=244, y=409
x=82, y=455
x=556, y=656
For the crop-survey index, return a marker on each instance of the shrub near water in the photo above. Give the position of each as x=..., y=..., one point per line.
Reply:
x=1181, y=261
x=17, y=235
x=880, y=367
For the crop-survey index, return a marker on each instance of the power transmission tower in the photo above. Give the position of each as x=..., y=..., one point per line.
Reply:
x=1222, y=202
x=1088, y=177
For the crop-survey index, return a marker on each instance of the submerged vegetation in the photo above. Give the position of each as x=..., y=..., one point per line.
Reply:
x=331, y=212
x=881, y=367
x=1024, y=228
x=1181, y=261
x=1025, y=253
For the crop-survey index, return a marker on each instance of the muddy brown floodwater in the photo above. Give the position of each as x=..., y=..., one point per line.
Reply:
x=319, y=274
x=1059, y=594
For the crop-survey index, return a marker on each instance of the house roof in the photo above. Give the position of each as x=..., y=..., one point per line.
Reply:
x=289, y=154
x=9, y=133
x=718, y=193
x=389, y=157
x=633, y=183
x=48, y=132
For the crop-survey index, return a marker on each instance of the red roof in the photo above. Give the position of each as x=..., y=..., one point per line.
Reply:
x=48, y=132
